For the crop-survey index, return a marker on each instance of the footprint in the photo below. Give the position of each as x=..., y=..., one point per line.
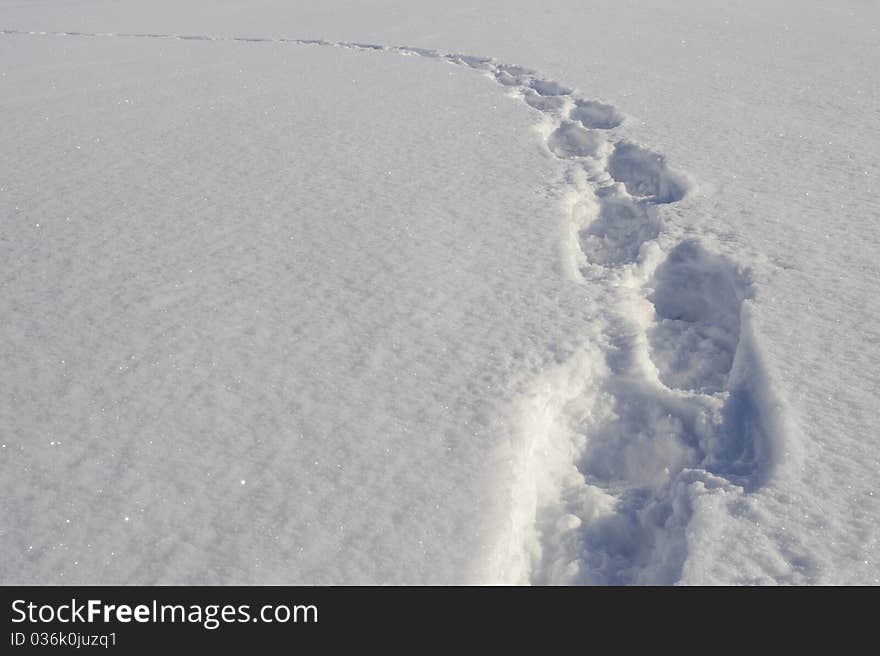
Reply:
x=643, y=441
x=510, y=75
x=418, y=52
x=363, y=46
x=646, y=174
x=479, y=63
x=639, y=446
x=549, y=88
x=596, y=115
x=515, y=70
x=507, y=79
x=543, y=103
x=617, y=234
x=697, y=298
x=570, y=140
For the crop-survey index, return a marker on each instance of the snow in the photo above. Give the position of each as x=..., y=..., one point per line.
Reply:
x=352, y=293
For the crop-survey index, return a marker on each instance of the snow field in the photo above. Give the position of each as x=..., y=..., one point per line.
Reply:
x=654, y=358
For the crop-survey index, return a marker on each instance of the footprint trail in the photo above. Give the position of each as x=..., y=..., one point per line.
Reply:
x=617, y=442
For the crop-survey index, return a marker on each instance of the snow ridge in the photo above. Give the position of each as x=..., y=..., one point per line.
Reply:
x=669, y=401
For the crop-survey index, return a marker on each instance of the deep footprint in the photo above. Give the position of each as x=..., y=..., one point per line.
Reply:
x=697, y=298
x=596, y=115
x=646, y=174
x=622, y=226
x=637, y=451
x=570, y=141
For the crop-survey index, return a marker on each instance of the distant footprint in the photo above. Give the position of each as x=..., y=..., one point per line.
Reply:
x=473, y=61
x=697, y=298
x=550, y=88
x=509, y=75
x=544, y=103
x=645, y=174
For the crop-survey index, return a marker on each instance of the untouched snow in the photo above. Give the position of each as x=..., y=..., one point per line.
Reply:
x=287, y=302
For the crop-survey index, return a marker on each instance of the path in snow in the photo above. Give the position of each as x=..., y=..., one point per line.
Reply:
x=670, y=402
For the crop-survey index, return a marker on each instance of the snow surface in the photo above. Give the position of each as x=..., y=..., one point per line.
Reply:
x=351, y=292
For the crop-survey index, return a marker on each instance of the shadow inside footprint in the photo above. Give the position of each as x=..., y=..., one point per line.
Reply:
x=506, y=79
x=617, y=234
x=570, y=140
x=643, y=442
x=479, y=63
x=697, y=298
x=543, y=103
x=638, y=450
x=645, y=174
x=596, y=115
x=550, y=88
